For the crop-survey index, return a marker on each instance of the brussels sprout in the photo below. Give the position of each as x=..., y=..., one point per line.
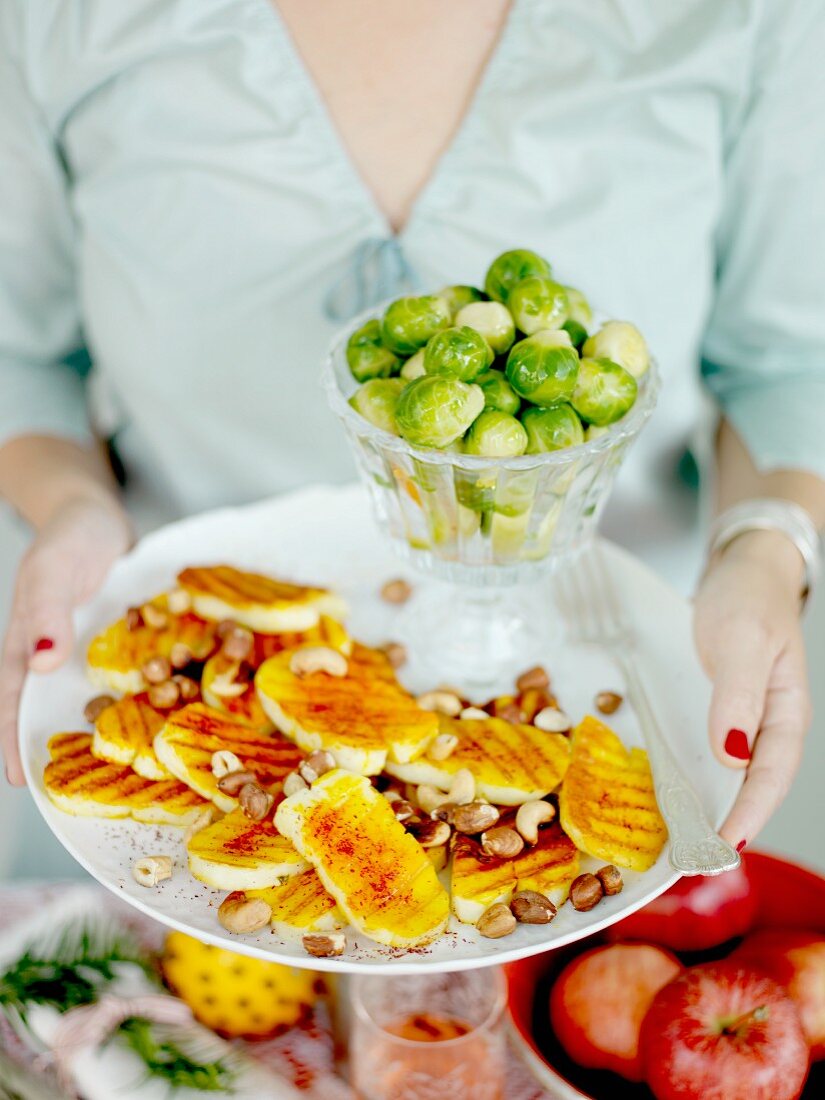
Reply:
x=414, y=366
x=366, y=355
x=410, y=322
x=552, y=429
x=457, y=297
x=434, y=411
x=376, y=400
x=622, y=343
x=593, y=431
x=537, y=304
x=495, y=434
x=543, y=368
x=459, y=353
x=579, y=307
x=493, y=321
x=576, y=332
x=510, y=268
x=604, y=391
x=498, y=393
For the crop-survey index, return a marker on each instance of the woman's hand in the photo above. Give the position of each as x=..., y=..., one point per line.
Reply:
x=63, y=568
x=749, y=639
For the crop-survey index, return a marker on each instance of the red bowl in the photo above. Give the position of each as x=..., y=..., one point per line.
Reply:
x=788, y=896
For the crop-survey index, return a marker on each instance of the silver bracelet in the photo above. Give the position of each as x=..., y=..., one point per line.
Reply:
x=772, y=515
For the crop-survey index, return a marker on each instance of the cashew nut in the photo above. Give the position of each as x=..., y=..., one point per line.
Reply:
x=442, y=702
x=294, y=783
x=552, y=720
x=224, y=763
x=204, y=818
x=318, y=658
x=474, y=712
x=151, y=870
x=532, y=814
x=443, y=746
x=462, y=790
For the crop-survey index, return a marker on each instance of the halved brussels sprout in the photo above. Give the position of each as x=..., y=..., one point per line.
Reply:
x=622, y=343
x=498, y=393
x=495, y=434
x=457, y=297
x=538, y=304
x=410, y=322
x=576, y=332
x=493, y=320
x=579, y=307
x=458, y=353
x=376, y=400
x=552, y=429
x=414, y=366
x=510, y=268
x=604, y=391
x=367, y=356
x=434, y=411
x=543, y=368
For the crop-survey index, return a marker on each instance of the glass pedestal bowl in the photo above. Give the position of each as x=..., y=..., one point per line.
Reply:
x=490, y=528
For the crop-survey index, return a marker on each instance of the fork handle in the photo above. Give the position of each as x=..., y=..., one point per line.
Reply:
x=695, y=846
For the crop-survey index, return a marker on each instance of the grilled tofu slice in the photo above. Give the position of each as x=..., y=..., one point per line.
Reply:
x=510, y=762
x=238, y=854
x=549, y=866
x=375, y=870
x=80, y=784
x=258, y=602
x=125, y=734
x=191, y=735
x=362, y=718
x=607, y=805
x=301, y=904
x=115, y=658
x=476, y=883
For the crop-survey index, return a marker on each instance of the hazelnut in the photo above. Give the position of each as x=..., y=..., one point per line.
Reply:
x=510, y=712
x=154, y=617
x=474, y=817
x=318, y=658
x=585, y=892
x=156, y=670
x=531, y=907
x=255, y=801
x=240, y=914
x=430, y=833
x=535, y=677
x=150, y=870
x=237, y=643
x=187, y=687
x=293, y=783
x=95, y=707
x=443, y=746
x=495, y=922
x=402, y=809
x=134, y=619
x=501, y=843
x=163, y=696
x=396, y=591
x=611, y=879
x=552, y=720
x=530, y=815
x=442, y=702
x=608, y=702
x=316, y=765
x=396, y=654
x=324, y=945
x=180, y=655
x=224, y=627
x=231, y=784
x=224, y=763
x=178, y=601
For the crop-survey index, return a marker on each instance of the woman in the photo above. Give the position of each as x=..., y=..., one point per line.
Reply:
x=201, y=191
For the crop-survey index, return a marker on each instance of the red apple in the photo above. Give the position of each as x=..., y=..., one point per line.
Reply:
x=796, y=960
x=724, y=1032
x=600, y=999
x=695, y=914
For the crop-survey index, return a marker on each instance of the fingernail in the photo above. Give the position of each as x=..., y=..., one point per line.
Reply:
x=43, y=644
x=740, y=847
x=736, y=745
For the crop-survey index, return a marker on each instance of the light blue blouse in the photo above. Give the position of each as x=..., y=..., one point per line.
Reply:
x=173, y=196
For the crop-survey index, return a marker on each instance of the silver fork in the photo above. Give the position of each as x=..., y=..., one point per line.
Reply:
x=588, y=601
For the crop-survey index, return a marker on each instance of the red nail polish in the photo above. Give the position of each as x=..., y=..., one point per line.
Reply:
x=736, y=745
x=43, y=644
x=740, y=847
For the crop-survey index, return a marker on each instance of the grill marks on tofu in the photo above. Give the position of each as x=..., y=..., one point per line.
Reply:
x=187, y=742
x=607, y=803
x=82, y=785
x=361, y=718
x=125, y=734
x=238, y=854
x=301, y=904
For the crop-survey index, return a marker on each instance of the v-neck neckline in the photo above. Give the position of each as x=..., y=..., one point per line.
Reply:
x=484, y=86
